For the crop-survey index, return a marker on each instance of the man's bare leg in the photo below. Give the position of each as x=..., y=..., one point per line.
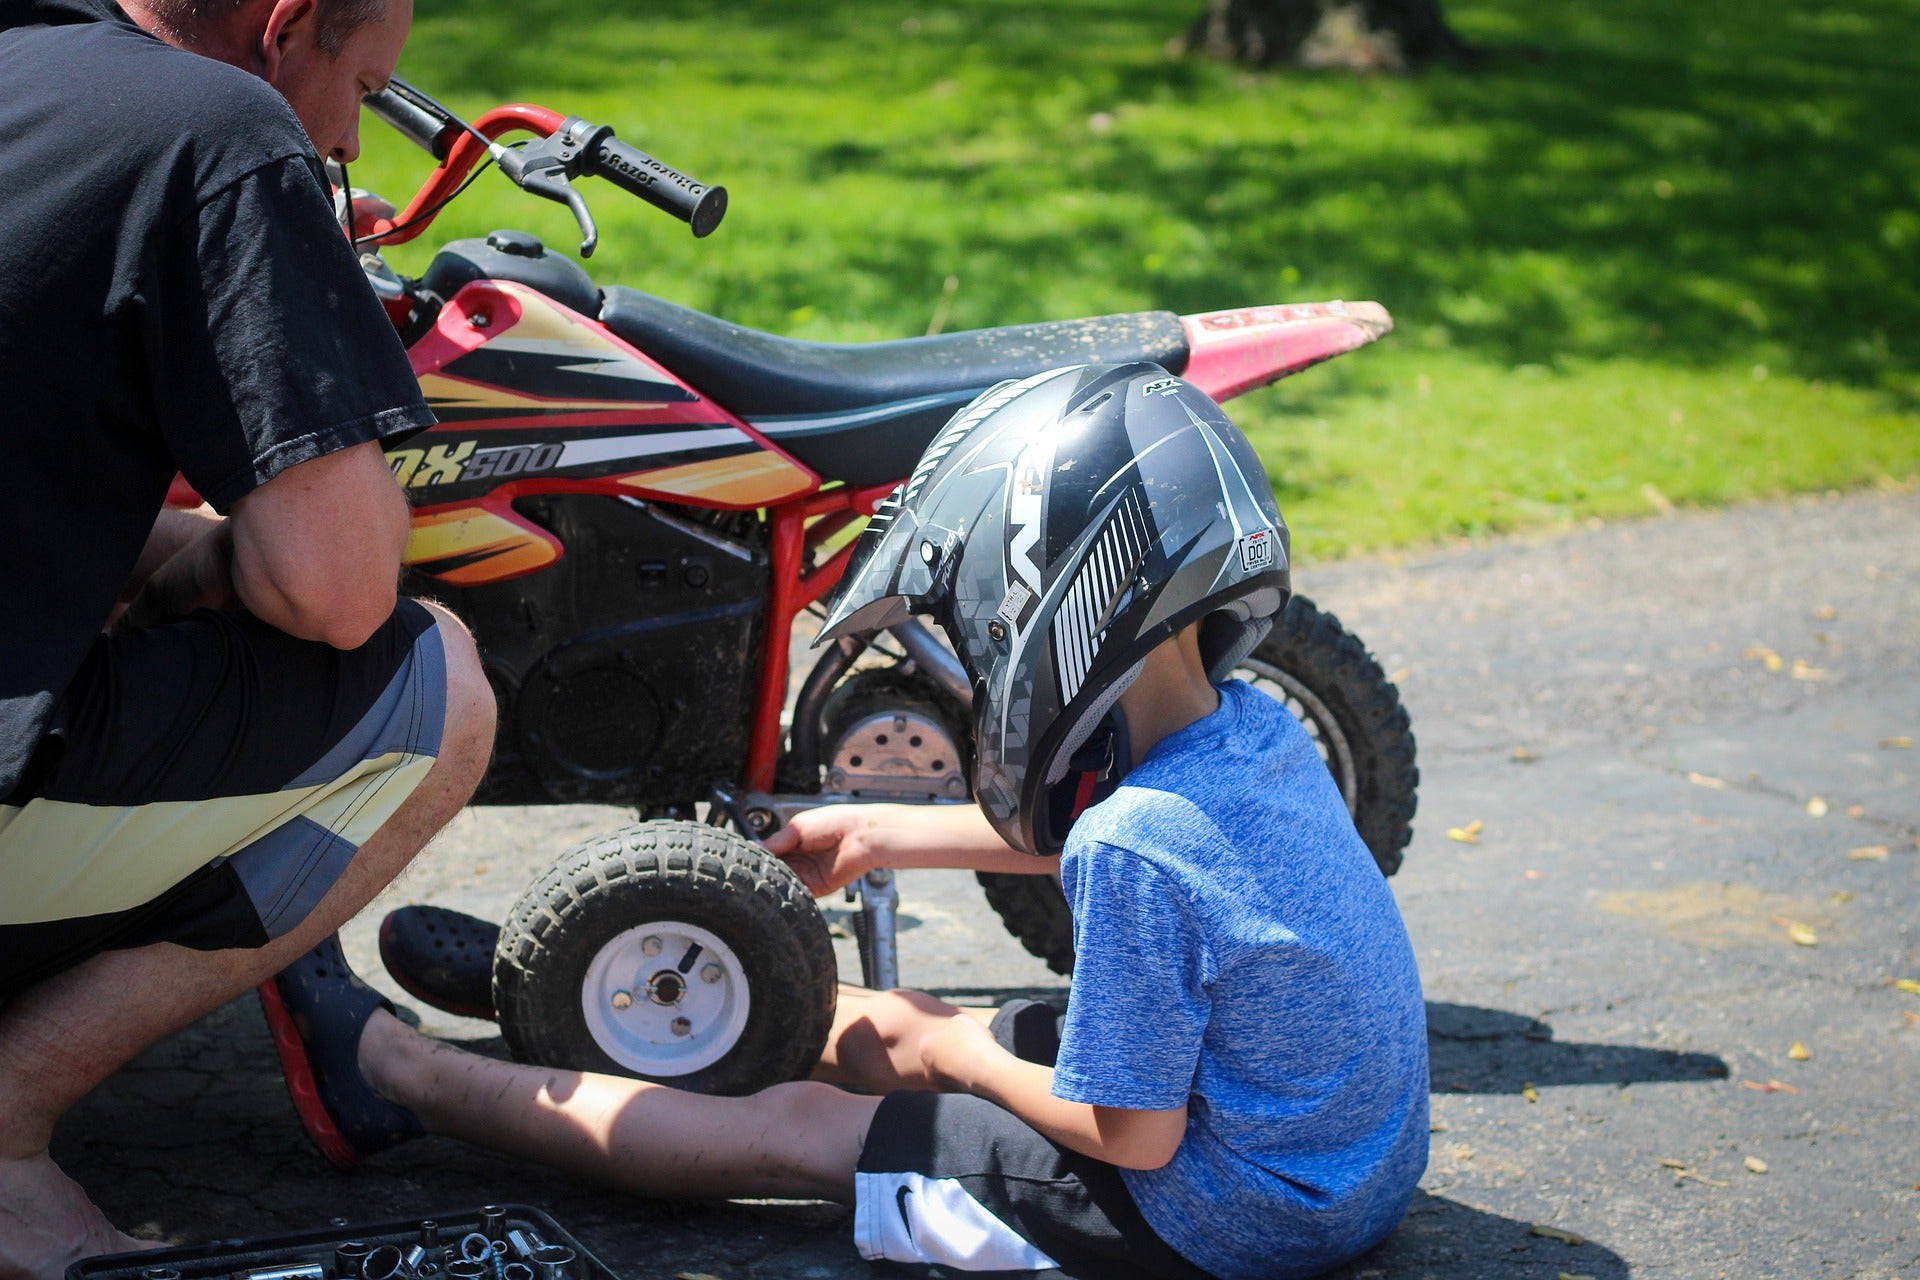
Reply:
x=60, y=1039
x=875, y=1041
x=801, y=1140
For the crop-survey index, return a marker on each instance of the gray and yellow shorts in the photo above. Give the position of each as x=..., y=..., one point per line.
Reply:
x=205, y=783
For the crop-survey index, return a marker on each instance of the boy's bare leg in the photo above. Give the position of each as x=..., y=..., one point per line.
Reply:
x=60, y=1039
x=798, y=1140
x=875, y=1042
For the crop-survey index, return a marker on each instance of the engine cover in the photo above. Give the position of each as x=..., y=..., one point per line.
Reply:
x=887, y=736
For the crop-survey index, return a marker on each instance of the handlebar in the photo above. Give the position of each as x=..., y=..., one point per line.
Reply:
x=636, y=172
x=569, y=148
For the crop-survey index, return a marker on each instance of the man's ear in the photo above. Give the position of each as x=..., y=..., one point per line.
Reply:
x=290, y=24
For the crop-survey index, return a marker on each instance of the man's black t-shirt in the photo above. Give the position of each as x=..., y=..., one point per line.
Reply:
x=174, y=295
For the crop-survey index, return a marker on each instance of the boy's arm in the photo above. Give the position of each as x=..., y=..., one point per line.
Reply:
x=963, y=1055
x=834, y=845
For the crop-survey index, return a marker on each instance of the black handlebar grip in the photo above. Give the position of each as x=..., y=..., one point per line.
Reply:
x=418, y=125
x=632, y=169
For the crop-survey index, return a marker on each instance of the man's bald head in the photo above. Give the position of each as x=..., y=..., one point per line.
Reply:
x=192, y=21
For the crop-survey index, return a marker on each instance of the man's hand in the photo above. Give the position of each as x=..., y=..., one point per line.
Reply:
x=830, y=847
x=197, y=576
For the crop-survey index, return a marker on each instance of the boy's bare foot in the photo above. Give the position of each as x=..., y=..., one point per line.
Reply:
x=46, y=1221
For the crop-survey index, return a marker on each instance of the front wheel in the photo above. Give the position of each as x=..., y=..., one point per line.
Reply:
x=1326, y=677
x=671, y=951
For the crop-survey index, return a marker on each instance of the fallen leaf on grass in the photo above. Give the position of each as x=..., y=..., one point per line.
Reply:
x=1799, y=1052
x=1901, y=743
x=1760, y=653
x=1869, y=853
x=1755, y=1164
x=1555, y=1233
x=1469, y=834
x=1802, y=935
x=1530, y=1093
x=1708, y=781
x=1771, y=1086
x=1817, y=807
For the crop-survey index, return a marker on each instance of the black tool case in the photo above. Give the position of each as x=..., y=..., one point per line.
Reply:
x=233, y=1259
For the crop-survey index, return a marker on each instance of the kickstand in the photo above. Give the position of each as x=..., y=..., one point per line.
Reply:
x=873, y=929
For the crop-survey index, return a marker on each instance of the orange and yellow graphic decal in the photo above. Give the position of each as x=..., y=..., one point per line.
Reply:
x=745, y=480
x=466, y=546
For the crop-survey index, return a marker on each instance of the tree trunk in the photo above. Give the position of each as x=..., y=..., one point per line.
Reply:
x=1365, y=35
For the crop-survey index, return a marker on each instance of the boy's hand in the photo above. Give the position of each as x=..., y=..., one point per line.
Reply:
x=829, y=847
x=954, y=1053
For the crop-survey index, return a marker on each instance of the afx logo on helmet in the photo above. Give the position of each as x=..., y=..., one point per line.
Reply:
x=1058, y=529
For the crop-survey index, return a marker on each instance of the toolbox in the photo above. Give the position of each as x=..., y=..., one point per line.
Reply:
x=495, y=1242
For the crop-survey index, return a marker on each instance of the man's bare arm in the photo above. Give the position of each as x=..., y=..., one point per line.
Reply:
x=315, y=551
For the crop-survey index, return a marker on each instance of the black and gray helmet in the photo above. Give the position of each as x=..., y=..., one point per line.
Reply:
x=1059, y=528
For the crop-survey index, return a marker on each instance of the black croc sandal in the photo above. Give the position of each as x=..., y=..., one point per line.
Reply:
x=317, y=1009
x=442, y=958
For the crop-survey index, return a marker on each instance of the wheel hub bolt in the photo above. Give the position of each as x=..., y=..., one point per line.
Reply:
x=682, y=1027
x=650, y=945
x=623, y=999
x=710, y=974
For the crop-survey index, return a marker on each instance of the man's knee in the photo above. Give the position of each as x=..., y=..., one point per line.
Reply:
x=466, y=741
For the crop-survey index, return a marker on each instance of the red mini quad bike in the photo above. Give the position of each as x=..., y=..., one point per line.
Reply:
x=632, y=504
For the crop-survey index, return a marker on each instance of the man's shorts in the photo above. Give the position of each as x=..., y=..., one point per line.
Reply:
x=206, y=781
x=949, y=1184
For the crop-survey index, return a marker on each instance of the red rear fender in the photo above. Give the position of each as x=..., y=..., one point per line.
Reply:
x=1233, y=352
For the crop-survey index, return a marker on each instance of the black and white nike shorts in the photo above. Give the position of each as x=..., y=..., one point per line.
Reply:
x=206, y=782
x=949, y=1185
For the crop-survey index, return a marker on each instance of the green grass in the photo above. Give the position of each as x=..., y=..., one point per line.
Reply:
x=1647, y=252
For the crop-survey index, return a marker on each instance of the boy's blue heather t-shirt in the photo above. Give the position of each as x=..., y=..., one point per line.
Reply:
x=1238, y=951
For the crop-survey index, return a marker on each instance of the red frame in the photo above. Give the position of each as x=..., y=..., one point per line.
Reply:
x=1232, y=352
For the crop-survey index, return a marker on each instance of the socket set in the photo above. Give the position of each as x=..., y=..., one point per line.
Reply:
x=497, y=1242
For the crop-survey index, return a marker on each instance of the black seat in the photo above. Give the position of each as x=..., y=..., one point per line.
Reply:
x=863, y=412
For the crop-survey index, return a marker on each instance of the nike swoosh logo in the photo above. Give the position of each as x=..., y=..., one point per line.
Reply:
x=900, y=1198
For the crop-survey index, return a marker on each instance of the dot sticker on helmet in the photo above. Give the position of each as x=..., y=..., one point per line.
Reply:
x=1256, y=551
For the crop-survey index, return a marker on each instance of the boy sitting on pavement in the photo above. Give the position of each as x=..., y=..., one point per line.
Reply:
x=1239, y=1084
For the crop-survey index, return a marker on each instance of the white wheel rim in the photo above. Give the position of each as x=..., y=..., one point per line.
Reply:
x=666, y=999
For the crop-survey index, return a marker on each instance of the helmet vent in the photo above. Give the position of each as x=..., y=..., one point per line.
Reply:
x=1105, y=572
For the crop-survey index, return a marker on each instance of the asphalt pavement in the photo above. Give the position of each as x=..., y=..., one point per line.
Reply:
x=1661, y=961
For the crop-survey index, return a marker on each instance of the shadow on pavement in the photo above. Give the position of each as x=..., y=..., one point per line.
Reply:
x=1441, y=1239
x=1475, y=1050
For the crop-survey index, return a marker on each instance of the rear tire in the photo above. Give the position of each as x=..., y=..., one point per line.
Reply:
x=1326, y=677
x=671, y=951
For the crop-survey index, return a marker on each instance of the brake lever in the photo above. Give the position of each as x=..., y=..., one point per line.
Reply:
x=544, y=168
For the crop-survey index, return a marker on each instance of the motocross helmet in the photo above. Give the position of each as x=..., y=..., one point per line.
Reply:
x=1058, y=529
